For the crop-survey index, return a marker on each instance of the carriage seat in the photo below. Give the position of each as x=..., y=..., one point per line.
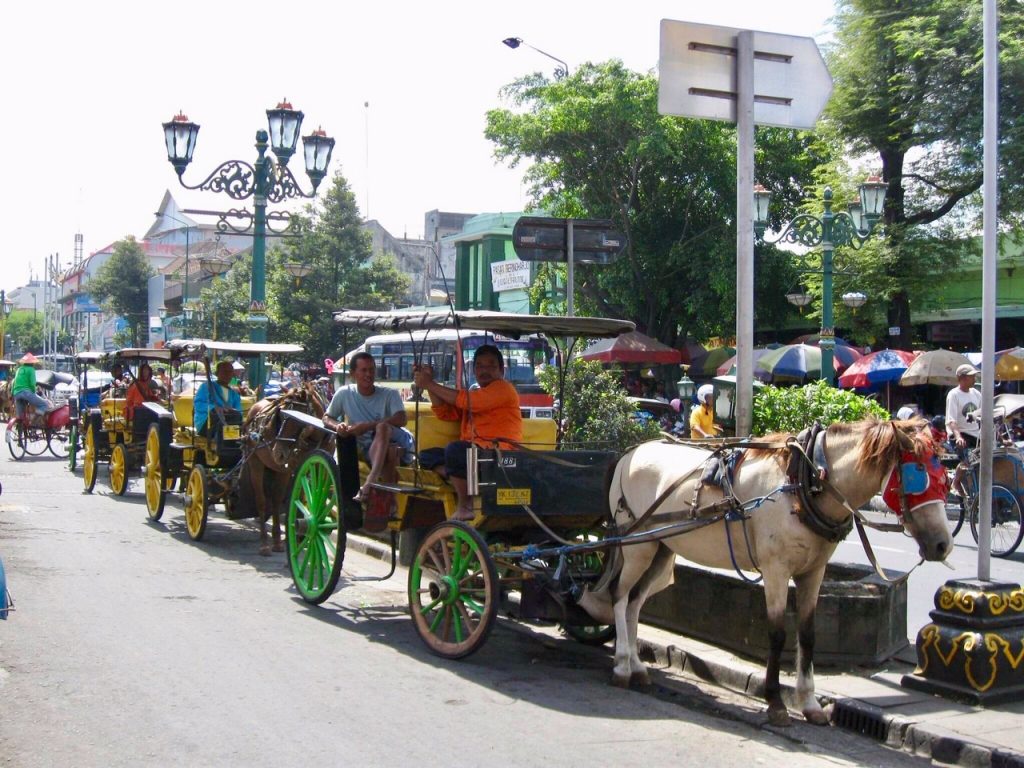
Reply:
x=112, y=409
x=146, y=414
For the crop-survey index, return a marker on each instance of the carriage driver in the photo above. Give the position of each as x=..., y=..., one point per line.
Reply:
x=487, y=414
x=215, y=396
x=371, y=418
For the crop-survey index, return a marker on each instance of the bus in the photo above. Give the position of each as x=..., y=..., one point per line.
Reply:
x=450, y=354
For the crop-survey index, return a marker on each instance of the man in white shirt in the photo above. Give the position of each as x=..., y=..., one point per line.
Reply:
x=963, y=409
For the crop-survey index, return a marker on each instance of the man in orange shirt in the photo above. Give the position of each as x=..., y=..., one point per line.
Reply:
x=489, y=414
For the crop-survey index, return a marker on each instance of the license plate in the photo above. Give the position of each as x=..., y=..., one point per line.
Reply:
x=232, y=432
x=513, y=496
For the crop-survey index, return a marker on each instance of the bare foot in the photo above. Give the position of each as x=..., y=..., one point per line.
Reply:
x=465, y=514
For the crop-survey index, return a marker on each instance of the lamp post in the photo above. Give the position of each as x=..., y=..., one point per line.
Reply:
x=7, y=307
x=265, y=180
x=184, y=284
x=851, y=228
x=560, y=72
x=686, y=387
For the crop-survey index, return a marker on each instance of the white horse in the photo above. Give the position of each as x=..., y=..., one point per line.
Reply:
x=857, y=459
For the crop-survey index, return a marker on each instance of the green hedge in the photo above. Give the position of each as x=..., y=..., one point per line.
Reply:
x=790, y=409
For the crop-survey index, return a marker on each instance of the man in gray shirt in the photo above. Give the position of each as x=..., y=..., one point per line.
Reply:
x=372, y=418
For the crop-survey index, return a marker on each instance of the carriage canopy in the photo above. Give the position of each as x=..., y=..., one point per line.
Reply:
x=507, y=323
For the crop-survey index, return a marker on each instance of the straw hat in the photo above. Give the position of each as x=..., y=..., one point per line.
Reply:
x=29, y=359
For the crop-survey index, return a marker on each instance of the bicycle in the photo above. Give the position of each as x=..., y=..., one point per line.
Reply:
x=33, y=435
x=1007, y=524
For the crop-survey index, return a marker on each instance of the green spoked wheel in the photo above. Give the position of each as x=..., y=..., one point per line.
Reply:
x=196, y=502
x=118, y=469
x=315, y=531
x=157, y=483
x=453, y=590
x=73, y=447
x=1006, y=531
x=91, y=457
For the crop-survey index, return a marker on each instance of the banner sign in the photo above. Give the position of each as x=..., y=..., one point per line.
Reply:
x=509, y=275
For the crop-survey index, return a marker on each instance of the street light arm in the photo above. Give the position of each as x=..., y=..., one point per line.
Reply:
x=810, y=231
x=515, y=42
x=237, y=179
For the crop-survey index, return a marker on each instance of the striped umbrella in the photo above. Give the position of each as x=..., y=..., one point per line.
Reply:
x=800, y=361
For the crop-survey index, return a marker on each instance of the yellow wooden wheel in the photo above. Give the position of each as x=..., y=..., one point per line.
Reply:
x=90, y=459
x=196, y=503
x=118, y=469
x=156, y=491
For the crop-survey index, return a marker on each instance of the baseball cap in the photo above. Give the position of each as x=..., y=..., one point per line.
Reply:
x=966, y=370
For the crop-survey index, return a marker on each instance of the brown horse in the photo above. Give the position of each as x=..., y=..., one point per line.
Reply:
x=6, y=400
x=276, y=446
x=777, y=538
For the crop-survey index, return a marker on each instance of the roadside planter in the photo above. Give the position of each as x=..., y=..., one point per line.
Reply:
x=860, y=620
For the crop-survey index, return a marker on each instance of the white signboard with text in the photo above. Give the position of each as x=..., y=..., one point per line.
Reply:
x=510, y=275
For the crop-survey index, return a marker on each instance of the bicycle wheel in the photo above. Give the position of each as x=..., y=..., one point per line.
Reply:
x=1006, y=521
x=57, y=441
x=15, y=444
x=35, y=441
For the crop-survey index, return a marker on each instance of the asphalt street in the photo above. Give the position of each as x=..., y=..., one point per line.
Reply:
x=132, y=645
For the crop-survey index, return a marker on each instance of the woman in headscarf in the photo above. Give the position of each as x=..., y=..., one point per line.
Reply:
x=142, y=390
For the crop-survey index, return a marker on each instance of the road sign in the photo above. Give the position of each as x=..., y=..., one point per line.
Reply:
x=542, y=238
x=698, y=75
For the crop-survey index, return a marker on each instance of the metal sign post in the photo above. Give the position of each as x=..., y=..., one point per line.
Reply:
x=574, y=241
x=749, y=78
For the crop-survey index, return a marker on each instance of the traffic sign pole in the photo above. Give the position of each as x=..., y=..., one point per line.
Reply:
x=744, y=233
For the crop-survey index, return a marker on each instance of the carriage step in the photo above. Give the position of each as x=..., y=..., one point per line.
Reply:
x=396, y=488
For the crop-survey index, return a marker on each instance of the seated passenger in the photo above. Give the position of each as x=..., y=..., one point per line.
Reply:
x=215, y=396
x=143, y=390
x=116, y=381
x=23, y=389
x=489, y=413
x=372, y=418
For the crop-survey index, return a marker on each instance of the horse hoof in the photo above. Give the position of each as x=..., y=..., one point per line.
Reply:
x=815, y=716
x=278, y=546
x=621, y=681
x=779, y=717
x=640, y=679
x=265, y=550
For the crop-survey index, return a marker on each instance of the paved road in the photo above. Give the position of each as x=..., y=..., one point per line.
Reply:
x=132, y=645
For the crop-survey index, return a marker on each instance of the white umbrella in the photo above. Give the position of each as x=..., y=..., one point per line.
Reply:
x=937, y=367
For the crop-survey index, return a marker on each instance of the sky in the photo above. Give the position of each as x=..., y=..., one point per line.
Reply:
x=403, y=87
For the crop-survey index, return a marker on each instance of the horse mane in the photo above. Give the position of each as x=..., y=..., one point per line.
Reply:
x=882, y=442
x=779, y=454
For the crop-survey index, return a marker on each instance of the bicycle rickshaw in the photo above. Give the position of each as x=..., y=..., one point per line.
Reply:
x=34, y=435
x=1007, y=527
x=110, y=435
x=525, y=499
x=209, y=467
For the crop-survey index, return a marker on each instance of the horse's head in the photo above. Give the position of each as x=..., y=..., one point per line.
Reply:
x=914, y=484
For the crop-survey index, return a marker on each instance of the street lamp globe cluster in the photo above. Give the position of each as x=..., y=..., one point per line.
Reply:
x=265, y=180
x=852, y=227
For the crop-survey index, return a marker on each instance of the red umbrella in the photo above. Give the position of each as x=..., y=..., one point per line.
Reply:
x=633, y=347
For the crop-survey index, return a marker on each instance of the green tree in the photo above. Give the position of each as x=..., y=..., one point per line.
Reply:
x=597, y=148
x=337, y=250
x=25, y=328
x=225, y=304
x=121, y=287
x=791, y=409
x=595, y=410
x=908, y=89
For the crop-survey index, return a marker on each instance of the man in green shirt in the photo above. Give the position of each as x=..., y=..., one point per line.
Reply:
x=24, y=387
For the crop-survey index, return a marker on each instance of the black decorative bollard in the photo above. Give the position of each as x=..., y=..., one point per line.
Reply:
x=974, y=649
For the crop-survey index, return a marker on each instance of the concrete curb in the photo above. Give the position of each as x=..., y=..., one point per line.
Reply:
x=851, y=714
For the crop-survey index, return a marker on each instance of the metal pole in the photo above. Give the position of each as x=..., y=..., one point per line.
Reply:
x=570, y=269
x=744, y=232
x=826, y=338
x=258, y=297
x=988, y=282
x=184, y=298
x=3, y=315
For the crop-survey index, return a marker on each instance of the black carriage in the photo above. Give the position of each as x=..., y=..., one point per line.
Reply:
x=537, y=509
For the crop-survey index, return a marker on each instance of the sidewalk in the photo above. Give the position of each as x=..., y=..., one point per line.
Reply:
x=869, y=702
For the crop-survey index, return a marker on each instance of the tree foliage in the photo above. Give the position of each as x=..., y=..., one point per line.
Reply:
x=337, y=250
x=597, y=148
x=791, y=409
x=25, y=328
x=908, y=90
x=121, y=287
x=594, y=407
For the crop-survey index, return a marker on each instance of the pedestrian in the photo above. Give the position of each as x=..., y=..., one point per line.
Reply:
x=702, y=419
x=963, y=407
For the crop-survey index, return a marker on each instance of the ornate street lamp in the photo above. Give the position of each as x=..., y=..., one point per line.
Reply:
x=515, y=42
x=265, y=180
x=685, y=387
x=828, y=231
